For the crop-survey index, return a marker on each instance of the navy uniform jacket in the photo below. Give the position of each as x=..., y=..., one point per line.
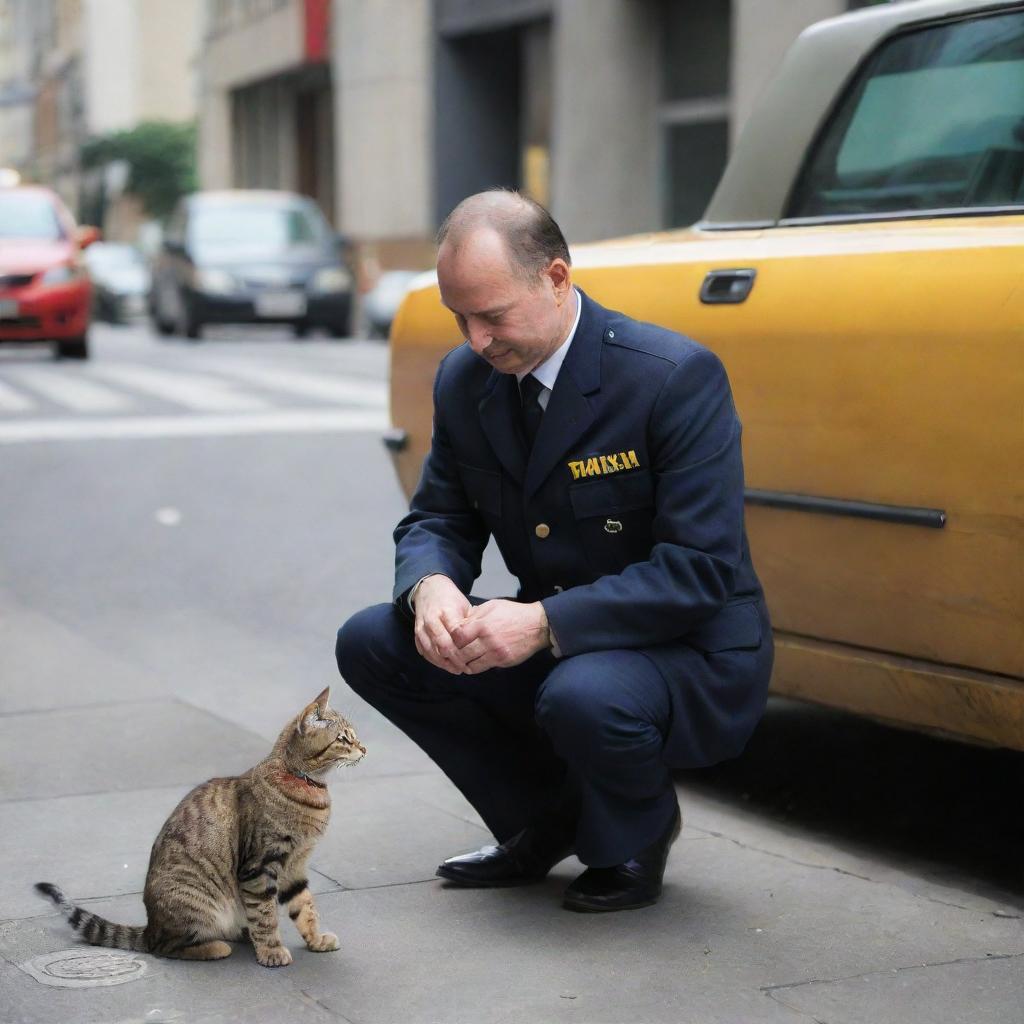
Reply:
x=625, y=520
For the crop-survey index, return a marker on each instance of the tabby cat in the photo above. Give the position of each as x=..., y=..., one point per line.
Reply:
x=233, y=847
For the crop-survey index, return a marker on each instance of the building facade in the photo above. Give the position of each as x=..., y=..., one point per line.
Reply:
x=18, y=88
x=42, y=104
x=71, y=70
x=267, y=99
x=617, y=114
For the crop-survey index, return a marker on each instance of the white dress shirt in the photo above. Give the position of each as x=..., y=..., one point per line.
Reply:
x=547, y=372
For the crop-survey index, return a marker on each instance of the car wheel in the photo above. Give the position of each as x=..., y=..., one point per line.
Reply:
x=342, y=327
x=73, y=348
x=300, y=330
x=161, y=323
x=188, y=326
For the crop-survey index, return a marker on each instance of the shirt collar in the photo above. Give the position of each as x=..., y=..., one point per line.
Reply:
x=548, y=370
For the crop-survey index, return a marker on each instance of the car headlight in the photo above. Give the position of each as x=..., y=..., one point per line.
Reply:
x=331, y=279
x=216, y=282
x=63, y=274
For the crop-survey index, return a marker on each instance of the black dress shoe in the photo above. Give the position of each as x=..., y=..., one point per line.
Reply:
x=527, y=857
x=637, y=883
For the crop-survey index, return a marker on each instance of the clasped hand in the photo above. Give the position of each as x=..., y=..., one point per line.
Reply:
x=462, y=639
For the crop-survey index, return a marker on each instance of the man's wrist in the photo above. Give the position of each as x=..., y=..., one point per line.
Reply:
x=548, y=633
x=416, y=587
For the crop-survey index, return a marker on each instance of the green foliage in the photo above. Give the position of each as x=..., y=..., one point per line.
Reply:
x=162, y=155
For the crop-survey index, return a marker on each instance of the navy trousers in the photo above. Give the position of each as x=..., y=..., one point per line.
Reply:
x=572, y=744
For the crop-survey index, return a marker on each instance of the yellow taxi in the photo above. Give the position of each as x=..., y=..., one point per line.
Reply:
x=860, y=271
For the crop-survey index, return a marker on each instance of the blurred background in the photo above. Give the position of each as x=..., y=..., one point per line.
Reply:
x=617, y=114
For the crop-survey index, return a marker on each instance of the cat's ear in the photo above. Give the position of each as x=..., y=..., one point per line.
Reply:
x=314, y=715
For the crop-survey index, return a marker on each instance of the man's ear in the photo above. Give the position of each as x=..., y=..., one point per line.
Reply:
x=313, y=716
x=560, y=276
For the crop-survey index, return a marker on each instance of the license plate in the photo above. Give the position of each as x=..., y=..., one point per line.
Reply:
x=281, y=304
x=8, y=309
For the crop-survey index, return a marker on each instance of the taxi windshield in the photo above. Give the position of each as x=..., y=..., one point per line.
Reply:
x=29, y=216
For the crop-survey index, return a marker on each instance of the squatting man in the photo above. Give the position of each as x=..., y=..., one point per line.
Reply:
x=603, y=455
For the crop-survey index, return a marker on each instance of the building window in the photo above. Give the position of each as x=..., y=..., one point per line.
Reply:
x=694, y=110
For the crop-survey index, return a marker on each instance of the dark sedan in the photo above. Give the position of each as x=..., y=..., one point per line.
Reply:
x=247, y=256
x=120, y=281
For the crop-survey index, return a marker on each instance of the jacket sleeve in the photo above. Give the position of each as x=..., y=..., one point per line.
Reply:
x=442, y=533
x=698, y=525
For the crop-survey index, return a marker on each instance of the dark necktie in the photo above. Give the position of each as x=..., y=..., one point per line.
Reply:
x=529, y=395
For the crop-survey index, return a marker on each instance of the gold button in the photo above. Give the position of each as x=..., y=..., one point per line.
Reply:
x=542, y=530
x=558, y=589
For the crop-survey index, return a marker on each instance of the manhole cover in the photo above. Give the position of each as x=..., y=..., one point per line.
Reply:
x=78, y=968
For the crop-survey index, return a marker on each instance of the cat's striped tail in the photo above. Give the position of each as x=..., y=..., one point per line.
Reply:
x=97, y=931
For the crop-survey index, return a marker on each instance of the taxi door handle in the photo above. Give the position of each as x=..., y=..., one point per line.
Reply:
x=722, y=287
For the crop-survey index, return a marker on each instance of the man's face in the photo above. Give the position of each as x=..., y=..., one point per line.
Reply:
x=513, y=324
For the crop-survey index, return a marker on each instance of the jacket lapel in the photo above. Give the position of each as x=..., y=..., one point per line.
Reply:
x=569, y=413
x=500, y=422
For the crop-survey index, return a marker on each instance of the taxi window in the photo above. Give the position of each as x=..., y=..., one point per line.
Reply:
x=935, y=121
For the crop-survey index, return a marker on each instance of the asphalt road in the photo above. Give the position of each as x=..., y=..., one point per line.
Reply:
x=184, y=526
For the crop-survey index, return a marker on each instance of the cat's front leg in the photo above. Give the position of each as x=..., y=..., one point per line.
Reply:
x=258, y=887
x=302, y=910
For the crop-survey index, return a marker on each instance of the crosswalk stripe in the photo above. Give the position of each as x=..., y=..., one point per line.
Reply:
x=192, y=390
x=73, y=392
x=331, y=387
x=14, y=401
x=316, y=421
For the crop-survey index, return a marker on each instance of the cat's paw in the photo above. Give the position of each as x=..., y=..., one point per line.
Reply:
x=325, y=943
x=275, y=956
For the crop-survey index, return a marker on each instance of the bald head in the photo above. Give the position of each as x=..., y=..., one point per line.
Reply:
x=503, y=270
x=528, y=233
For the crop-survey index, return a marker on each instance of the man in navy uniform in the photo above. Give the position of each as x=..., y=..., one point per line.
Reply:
x=603, y=455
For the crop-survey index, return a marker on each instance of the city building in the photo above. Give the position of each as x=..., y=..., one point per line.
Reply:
x=267, y=116
x=618, y=114
x=72, y=70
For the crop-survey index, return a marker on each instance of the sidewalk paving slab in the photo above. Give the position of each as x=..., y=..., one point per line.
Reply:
x=120, y=747
x=973, y=991
x=387, y=831
x=47, y=664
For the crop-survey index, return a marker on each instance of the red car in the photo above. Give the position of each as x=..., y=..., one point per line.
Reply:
x=45, y=292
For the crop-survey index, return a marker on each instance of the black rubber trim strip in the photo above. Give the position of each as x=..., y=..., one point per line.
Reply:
x=396, y=439
x=933, y=518
x=936, y=213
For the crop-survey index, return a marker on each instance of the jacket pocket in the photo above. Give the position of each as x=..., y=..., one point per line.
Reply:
x=608, y=494
x=615, y=516
x=482, y=487
x=735, y=627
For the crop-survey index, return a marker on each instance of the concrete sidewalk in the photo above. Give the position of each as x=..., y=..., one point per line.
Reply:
x=758, y=923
